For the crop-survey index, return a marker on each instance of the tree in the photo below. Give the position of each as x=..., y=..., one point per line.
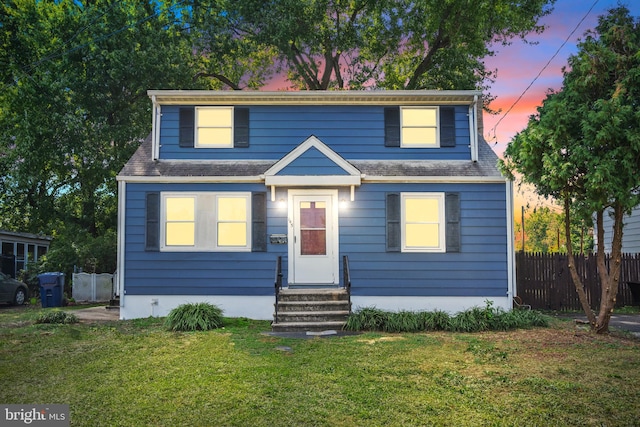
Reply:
x=73, y=107
x=583, y=146
x=390, y=44
x=544, y=232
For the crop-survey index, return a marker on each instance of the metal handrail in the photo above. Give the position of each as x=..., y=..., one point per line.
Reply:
x=346, y=278
x=278, y=284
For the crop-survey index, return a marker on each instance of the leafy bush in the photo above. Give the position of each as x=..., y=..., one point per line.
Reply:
x=367, y=319
x=56, y=316
x=402, y=321
x=475, y=319
x=437, y=320
x=200, y=316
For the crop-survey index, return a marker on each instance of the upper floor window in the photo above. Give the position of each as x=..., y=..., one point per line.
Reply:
x=419, y=127
x=214, y=127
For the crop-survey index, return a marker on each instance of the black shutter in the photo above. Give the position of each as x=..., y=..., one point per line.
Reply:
x=152, y=218
x=392, y=127
x=241, y=127
x=447, y=127
x=187, y=132
x=452, y=214
x=394, y=233
x=259, y=222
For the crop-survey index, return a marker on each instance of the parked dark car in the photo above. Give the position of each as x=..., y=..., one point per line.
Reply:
x=13, y=291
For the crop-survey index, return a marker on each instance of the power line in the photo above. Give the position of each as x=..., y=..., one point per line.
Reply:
x=543, y=69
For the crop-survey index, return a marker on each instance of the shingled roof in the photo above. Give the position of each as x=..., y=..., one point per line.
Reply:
x=141, y=165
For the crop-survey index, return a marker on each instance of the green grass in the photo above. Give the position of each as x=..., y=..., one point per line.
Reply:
x=136, y=373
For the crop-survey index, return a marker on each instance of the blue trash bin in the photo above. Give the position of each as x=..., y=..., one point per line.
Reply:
x=51, y=289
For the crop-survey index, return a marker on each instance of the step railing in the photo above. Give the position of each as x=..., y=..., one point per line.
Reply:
x=278, y=284
x=346, y=279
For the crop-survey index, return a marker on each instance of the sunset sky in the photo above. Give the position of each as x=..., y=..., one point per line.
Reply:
x=519, y=64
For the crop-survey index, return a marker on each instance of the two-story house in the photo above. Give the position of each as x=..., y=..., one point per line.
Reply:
x=400, y=182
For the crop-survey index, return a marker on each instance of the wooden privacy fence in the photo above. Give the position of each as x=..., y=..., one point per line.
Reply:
x=544, y=281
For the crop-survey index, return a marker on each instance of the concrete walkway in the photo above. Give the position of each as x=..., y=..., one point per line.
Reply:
x=97, y=314
x=625, y=322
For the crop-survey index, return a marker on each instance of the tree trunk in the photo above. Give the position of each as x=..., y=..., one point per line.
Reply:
x=577, y=282
x=609, y=277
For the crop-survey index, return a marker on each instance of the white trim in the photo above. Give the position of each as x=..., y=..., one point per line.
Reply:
x=436, y=126
x=382, y=97
x=473, y=127
x=323, y=180
x=435, y=179
x=335, y=234
x=197, y=127
x=191, y=179
x=442, y=243
x=511, y=254
x=155, y=125
x=205, y=221
x=451, y=305
x=312, y=142
x=252, y=307
x=121, y=243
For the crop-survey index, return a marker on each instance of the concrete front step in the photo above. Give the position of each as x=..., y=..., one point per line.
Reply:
x=285, y=306
x=311, y=309
x=313, y=295
x=312, y=316
x=307, y=326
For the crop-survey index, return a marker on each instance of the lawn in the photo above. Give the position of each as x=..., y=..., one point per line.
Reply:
x=135, y=373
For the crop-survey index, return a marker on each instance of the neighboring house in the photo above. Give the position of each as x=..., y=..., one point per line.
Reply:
x=401, y=182
x=21, y=249
x=630, y=232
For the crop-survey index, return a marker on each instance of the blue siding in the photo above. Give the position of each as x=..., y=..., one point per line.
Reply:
x=354, y=132
x=480, y=269
x=312, y=162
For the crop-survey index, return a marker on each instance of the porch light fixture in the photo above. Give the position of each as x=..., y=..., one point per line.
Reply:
x=282, y=204
x=343, y=204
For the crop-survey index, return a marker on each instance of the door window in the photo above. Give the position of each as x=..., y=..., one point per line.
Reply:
x=313, y=228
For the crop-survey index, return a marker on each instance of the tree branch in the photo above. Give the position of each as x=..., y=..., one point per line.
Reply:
x=217, y=76
x=302, y=66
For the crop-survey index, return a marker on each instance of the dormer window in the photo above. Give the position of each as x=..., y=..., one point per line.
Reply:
x=419, y=127
x=214, y=127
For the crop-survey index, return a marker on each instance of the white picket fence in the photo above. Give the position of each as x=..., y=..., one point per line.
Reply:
x=92, y=287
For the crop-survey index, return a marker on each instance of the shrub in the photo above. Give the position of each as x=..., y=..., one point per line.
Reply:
x=437, y=320
x=56, y=316
x=402, y=321
x=200, y=316
x=474, y=319
x=366, y=319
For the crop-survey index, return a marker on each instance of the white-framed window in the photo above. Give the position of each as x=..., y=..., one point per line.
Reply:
x=419, y=127
x=205, y=221
x=214, y=127
x=423, y=222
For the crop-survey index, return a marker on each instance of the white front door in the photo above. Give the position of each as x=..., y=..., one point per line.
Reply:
x=313, y=237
